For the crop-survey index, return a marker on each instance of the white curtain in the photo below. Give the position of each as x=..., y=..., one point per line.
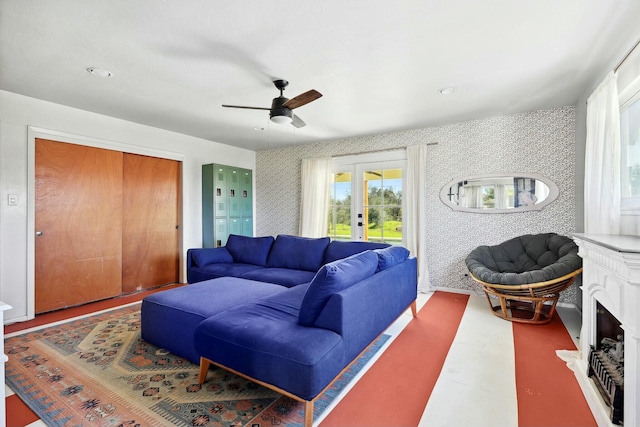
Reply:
x=414, y=220
x=314, y=204
x=602, y=160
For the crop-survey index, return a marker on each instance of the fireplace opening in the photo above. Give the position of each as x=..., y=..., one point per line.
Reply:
x=606, y=361
x=608, y=328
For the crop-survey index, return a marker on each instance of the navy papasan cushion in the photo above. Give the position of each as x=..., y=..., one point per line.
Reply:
x=527, y=259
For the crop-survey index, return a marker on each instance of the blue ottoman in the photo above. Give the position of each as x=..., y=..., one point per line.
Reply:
x=169, y=318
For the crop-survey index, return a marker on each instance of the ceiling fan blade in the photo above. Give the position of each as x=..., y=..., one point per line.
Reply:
x=248, y=108
x=298, y=122
x=302, y=99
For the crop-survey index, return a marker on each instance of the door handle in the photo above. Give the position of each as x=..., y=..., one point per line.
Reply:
x=38, y=233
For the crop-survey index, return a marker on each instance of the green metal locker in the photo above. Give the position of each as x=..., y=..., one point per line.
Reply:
x=221, y=194
x=222, y=232
x=235, y=192
x=227, y=203
x=207, y=207
x=246, y=186
x=247, y=226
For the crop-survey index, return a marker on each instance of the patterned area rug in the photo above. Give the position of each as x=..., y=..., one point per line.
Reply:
x=98, y=371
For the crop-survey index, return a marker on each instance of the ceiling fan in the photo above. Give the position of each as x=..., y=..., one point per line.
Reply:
x=281, y=107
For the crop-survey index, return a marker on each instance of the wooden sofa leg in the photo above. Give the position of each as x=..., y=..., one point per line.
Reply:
x=204, y=368
x=308, y=413
x=414, y=309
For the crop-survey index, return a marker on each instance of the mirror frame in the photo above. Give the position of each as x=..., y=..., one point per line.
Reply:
x=553, y=193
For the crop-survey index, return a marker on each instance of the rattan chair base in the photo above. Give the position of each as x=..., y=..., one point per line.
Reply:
x=533, y=303
x=518, y=310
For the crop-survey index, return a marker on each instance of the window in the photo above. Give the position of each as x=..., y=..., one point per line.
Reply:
x=630, y=154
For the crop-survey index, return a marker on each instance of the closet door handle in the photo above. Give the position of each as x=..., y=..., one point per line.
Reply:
x=38, y=233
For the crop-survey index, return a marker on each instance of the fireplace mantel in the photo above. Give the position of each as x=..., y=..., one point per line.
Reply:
x=611, y=276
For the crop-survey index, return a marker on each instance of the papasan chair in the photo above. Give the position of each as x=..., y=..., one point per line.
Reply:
x=523, y=277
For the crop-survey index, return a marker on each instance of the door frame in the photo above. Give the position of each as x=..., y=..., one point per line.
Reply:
x=34, y=133
x=356, y=164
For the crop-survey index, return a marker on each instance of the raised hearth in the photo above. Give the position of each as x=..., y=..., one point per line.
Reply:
x=611, y=277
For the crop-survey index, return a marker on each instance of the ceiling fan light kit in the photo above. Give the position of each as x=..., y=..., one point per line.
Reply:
x=282, y=118
x=281, y=107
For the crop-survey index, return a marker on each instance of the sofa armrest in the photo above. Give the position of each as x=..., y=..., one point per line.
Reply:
x=364, y=310
x=200, y=257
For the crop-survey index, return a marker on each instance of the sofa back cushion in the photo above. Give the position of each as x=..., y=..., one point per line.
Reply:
x=249, y=250
x=298, y=253
x=388, y=257
x=332, y=278
x=206, y=256
x=339, y=249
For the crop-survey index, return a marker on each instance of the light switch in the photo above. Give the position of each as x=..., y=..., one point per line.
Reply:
x=13, y=200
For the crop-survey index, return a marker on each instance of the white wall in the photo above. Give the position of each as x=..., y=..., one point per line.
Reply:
x=19, y=113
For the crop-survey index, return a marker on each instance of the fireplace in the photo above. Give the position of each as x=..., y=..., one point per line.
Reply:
x=606, y=362
x=610, y=335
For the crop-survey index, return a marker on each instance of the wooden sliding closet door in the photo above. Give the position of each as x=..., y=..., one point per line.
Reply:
x=150, y=229
x=78, y=222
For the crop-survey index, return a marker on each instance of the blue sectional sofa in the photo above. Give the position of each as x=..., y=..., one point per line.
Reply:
x=247, y=314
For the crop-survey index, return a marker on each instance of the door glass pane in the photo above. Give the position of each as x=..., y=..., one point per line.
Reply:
x=382, y=204
x=340, y=206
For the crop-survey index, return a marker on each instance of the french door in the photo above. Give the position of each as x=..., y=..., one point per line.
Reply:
x=366, y=201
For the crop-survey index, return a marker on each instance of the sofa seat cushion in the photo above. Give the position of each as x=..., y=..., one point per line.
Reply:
x=281, y=276
x=169, y=318
x=264, y=341
x=249, y=250
x=332, y=278
x=339, y=249
x=298, y=253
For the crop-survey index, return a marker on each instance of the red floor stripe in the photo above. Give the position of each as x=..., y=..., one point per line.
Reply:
x=548, y=392
x=18, y=413
x=395, y=390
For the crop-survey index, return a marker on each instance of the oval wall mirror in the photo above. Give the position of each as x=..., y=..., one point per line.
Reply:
x=499, y=193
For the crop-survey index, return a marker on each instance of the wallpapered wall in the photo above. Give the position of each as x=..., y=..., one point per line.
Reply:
x=535, y=142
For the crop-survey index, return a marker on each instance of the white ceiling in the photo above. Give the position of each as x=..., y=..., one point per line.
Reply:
x=379, y=64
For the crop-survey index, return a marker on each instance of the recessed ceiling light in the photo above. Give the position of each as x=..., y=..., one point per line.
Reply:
x=100, y=72
x=447, y=90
